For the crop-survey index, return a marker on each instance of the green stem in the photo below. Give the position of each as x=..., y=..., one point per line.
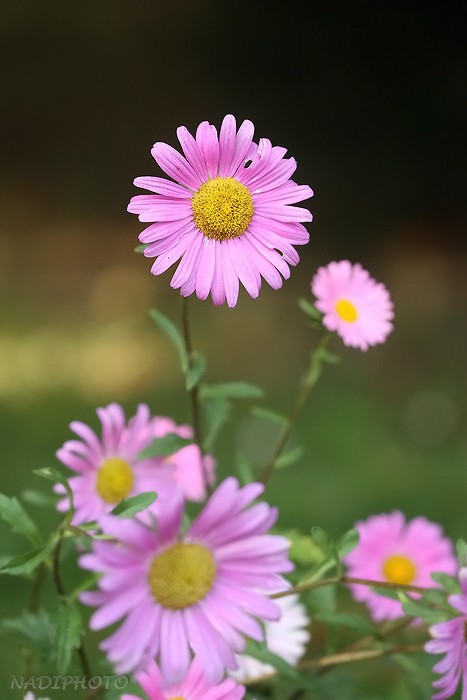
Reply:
x=310, y=378
x=345, y=657
x=194, y=392
x=312, y=585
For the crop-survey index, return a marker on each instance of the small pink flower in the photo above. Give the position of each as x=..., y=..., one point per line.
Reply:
x=356, y=307
x=391, y=549
x=450, y=639
x=198, y=594
x=227, y=215
x=110, y=469
x=193, y=687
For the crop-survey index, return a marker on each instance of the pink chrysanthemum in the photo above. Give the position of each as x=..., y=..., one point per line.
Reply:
x=354, y=306
x=196, y=593
x=228, y=217
x=450, y=639
x=391, y=549
x=109, y=468
x=286, y=638
x=193, y=687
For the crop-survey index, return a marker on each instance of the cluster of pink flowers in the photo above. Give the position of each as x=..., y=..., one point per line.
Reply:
x=186, y=597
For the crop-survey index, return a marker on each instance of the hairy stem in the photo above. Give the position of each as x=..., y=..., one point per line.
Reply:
x=310, y=378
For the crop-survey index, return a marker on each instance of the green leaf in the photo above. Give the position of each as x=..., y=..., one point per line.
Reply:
x=164, y=446
x=26, y=563
x=329, y=357
x=449, y=583
x=263, y=654
x=347, y=542
x=461, y=549
x=197, y=368
x=303, y=549
x=310, y=310
x=324, y=541
x=68, y=634
x=216, y=412
x=37, y=498
x=289, y=458
x=130, y=506
x=267, y=413
x=244, y=470
x=37, y=631
x=12, y=512
x=141, y=247
x=417, y=608
x=232, y=390
x=346, y=620
x=171, y=331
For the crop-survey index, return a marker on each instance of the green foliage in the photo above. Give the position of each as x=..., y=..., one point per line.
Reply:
x=309, y=309
x=135, y=504
x=347, y=542
x=325, y=542
x=36, y=631
x=140, y=248
x=12, y=512
x=449, y=583
x=303, y=550
x=461, y=549
x=216, y=412
x=244, y=470
x=349, y=620
x=269, y=414
x=26, y=563
x=164, y=446
x=287, y=459
x=68, y=634
x=197, y=368
x=232, y=390
x=171, y=331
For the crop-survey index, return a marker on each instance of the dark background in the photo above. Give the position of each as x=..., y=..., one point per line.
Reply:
x=371, y=98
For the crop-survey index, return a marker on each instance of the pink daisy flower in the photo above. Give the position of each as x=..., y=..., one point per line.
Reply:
x=193, y=687
x=109, y=469
x=354, y=306
x=286, y=638
x=193, y=594
x=450, y=639
x=391, y=549
x=227, y=215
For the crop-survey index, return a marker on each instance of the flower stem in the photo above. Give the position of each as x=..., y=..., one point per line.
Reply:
x=311, y=585
x=194, y=392
x=310, y=378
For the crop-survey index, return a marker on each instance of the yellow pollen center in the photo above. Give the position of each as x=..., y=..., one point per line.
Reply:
x=179, y=697
x=114, y=480
x=399, y=569
x=182, y=575
x=222, y=208
x=346, y=310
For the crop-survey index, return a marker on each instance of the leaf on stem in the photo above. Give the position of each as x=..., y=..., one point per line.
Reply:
x=461, y=549
x=37, y=631
x=171, y=331
x=347, y=542
x=164, y=446
x=135, y=504
x=12, y=512
x=196, y=369
x=346, y=620
x=232, y=390
x=216, y=411
x=68, y=634
x=267, y=413
x=288, y=458
x=26, y=563
x=309, y=309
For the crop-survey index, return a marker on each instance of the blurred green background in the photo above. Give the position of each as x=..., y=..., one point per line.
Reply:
x=371, y=98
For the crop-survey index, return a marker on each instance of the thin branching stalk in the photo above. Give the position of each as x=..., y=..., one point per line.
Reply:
x=310, y=378
x=311, y=585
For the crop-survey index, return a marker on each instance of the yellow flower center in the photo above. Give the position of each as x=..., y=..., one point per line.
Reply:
x=179, y=697
x=222, y=208
x=182, y=575
x=346, y=310
x=114, y=480
x=399, y=569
